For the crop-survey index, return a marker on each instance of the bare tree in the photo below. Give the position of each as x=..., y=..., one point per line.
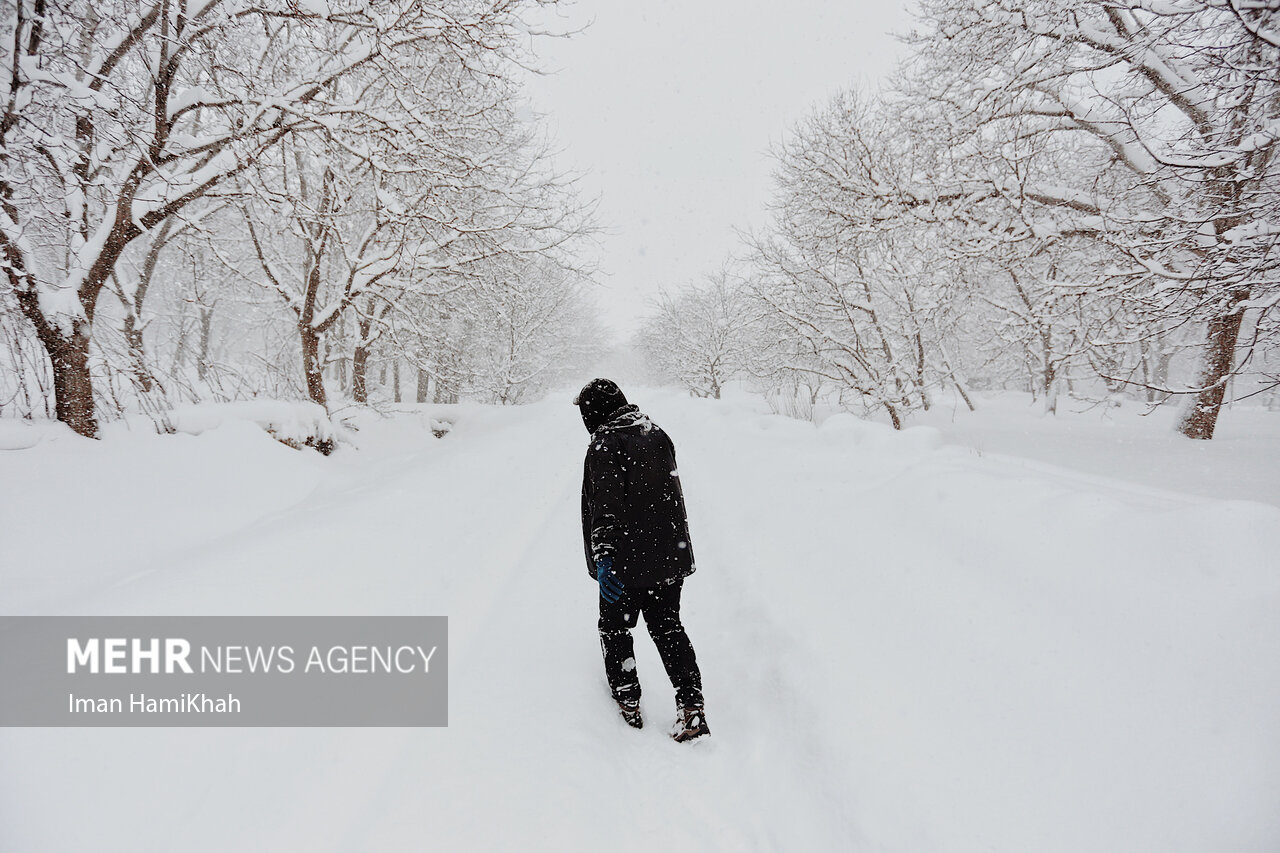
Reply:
x=1172, y=106
x=700, y=336
x=118, y=115
x=848, y=268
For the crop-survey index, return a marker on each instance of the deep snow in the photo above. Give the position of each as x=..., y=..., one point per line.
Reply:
x=905, y=646
x=1123, y=439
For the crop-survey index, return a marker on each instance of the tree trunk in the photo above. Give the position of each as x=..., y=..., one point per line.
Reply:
x=424, y=385
x=395, y=379
x=137, y=354
x=340, y=368
x=69, y=354
x=311, y=368
x=1161, y=375
x=889, y=359
x=72, y=385
x=360, y=363
x=893, y=415
x=206, y=328
x=955, y=380
x=924, y=394
x=1050, y=386
x=359, y=370
x=69, y=359
x=133, y=307
x=1201, y=417
x=1148, y=370
x=919, y=341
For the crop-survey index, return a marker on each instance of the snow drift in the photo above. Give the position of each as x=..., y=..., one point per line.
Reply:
x=906, y=646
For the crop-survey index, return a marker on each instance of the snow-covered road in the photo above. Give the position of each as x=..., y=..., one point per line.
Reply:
x=904, y=647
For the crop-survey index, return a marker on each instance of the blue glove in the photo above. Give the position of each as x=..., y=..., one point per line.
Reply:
x=610, y=585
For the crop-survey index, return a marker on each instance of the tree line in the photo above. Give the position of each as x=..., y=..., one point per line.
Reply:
x=1052, y=194
x=215, y=199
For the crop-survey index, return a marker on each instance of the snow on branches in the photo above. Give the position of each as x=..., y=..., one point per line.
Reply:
x=119, y=117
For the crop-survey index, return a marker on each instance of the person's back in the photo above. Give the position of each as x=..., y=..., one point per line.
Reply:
x=636, y=538
x=651, y=541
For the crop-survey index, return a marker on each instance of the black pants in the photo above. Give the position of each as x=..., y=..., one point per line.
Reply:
x=661, y=608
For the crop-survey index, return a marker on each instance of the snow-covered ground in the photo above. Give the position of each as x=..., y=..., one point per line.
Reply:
x=1129, y=441
x=906, y=645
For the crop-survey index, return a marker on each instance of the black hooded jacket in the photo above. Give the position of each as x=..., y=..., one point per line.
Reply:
x=632, y=504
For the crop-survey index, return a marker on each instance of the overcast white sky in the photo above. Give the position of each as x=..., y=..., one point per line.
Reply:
x=670, y=107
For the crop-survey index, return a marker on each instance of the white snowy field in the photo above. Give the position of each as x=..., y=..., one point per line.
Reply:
x=1130, y=442
x=906, y=646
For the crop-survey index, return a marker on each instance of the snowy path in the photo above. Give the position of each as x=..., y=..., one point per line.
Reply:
x=904, y=649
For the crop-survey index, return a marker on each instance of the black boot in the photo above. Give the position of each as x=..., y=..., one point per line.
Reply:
x=691, y=723
x=630, y=710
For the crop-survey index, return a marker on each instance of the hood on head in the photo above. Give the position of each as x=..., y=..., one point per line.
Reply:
x=597, y=401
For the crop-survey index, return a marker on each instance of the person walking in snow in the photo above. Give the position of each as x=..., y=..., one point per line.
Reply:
x=636, y=538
